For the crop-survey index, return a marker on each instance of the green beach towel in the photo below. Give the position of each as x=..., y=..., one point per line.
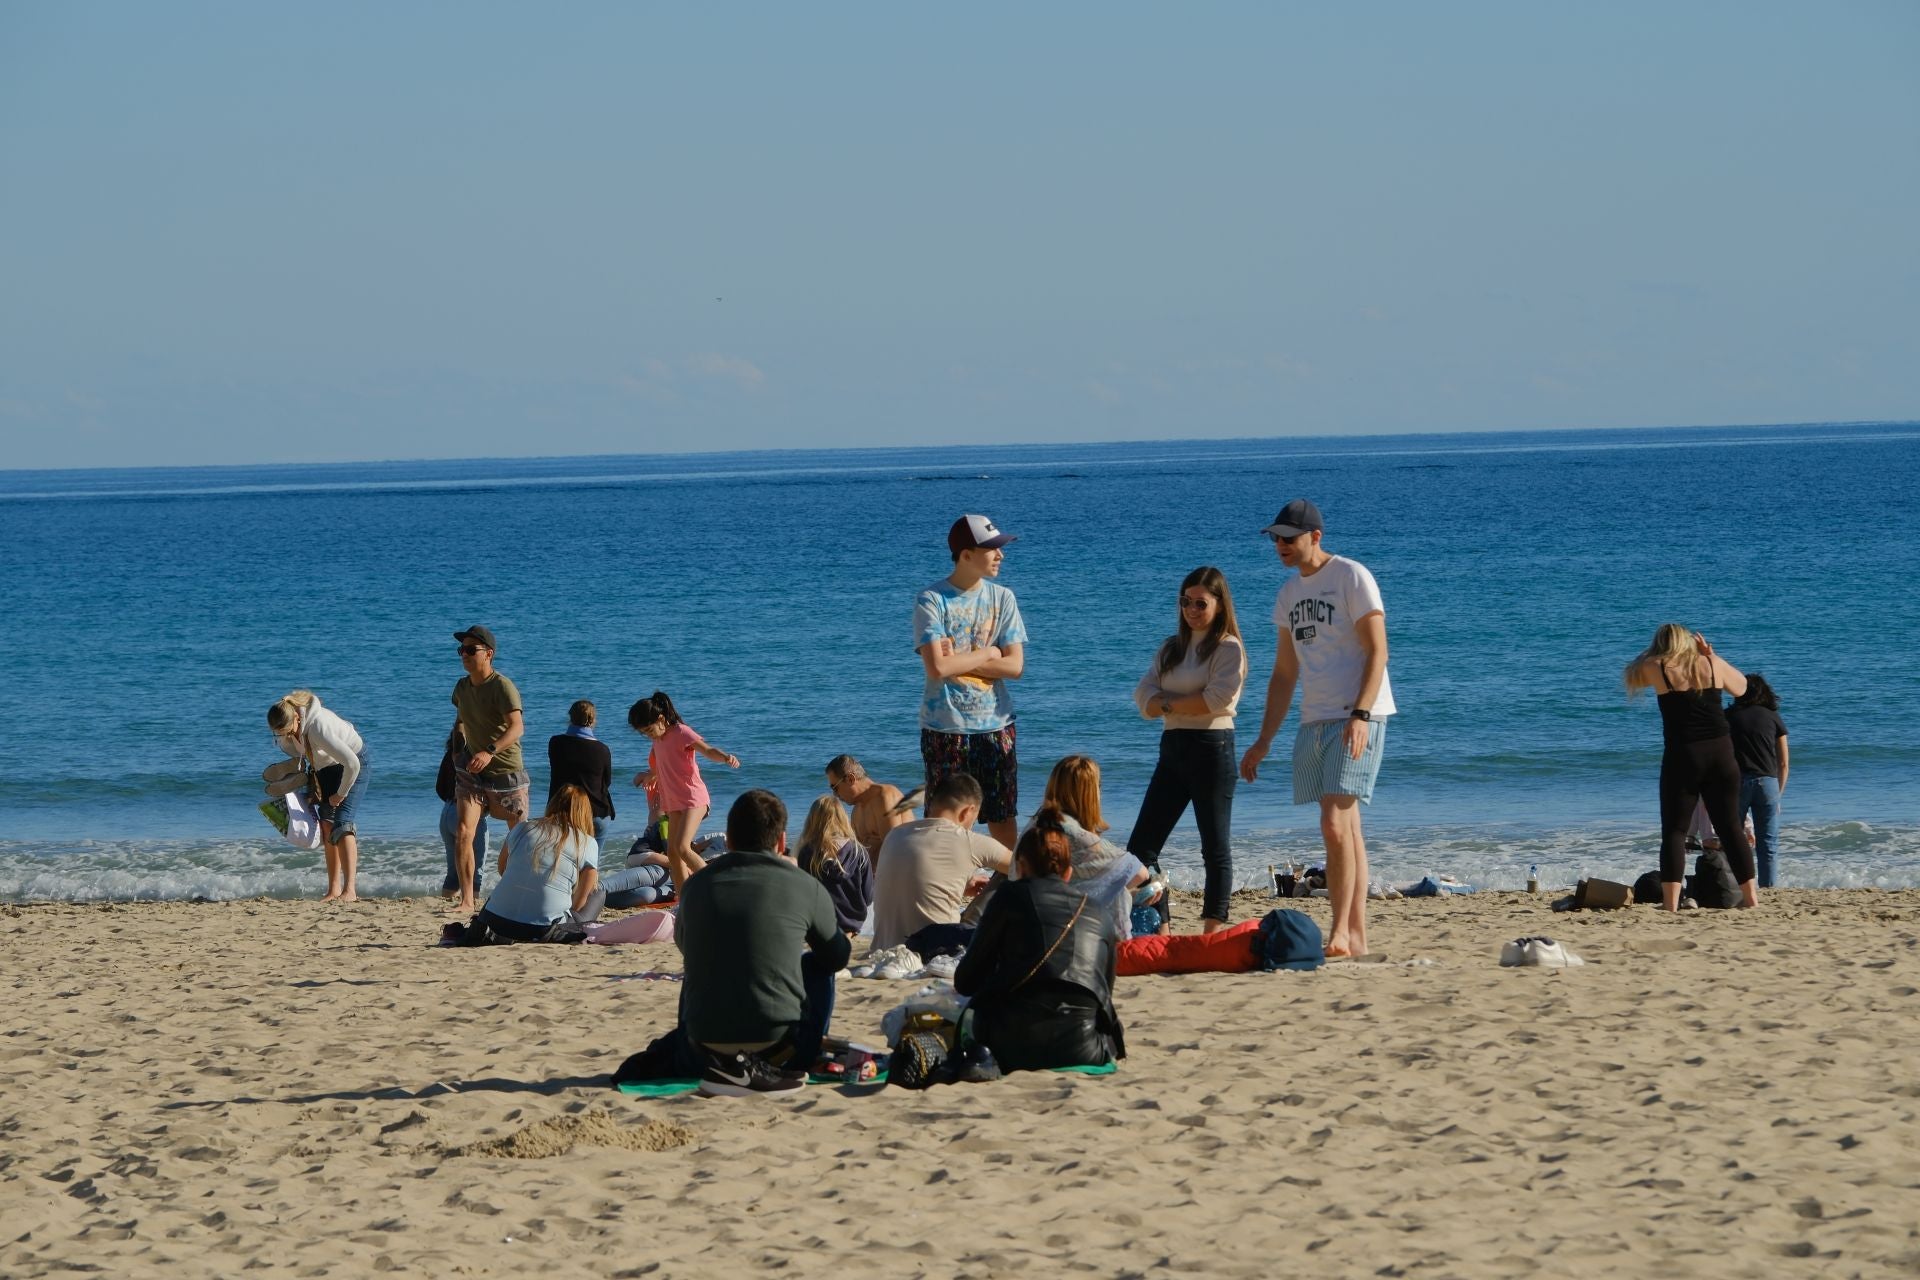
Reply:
x=675, y=1088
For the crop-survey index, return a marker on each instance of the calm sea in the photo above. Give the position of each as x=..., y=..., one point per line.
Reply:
x=154, y=614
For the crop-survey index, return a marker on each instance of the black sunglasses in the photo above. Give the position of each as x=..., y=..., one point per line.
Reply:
x=468, y=650
x=1189, y=602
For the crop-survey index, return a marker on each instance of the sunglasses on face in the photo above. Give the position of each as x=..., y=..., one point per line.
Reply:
x=1192, y=602
x=468, y=650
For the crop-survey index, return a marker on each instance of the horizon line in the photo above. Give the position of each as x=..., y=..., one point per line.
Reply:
x=914, y=448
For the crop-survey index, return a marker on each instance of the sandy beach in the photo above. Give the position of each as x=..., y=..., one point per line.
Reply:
x=285, y=1088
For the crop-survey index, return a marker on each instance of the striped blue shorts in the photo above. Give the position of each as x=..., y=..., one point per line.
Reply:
x=1322, y=767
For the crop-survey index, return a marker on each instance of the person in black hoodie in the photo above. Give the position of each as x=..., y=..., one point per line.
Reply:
x=578, y=758
x=1040, y=968
x=450, y=824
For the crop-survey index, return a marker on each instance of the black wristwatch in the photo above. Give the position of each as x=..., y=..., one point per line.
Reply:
x=1360, y=713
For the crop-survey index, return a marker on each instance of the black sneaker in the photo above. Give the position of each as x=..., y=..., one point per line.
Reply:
x=744, y=1075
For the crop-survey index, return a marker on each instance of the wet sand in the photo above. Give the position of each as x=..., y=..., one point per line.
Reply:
x=292, y=1089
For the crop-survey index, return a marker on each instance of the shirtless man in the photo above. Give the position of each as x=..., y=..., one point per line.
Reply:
x=878, y=807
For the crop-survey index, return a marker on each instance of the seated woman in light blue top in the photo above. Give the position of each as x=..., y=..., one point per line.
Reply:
x=547, y=872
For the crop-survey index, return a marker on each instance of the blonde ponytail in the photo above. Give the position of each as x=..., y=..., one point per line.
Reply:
x=281, y=713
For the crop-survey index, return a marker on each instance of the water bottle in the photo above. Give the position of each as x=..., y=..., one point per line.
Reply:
x=1273, y=878
x=1533, y=878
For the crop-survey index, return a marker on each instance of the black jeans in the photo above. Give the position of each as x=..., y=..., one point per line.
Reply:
x=1691, y=773
x=940, y=940
x=1196, y=767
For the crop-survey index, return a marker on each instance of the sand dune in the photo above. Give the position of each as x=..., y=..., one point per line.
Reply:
x=285, y=1088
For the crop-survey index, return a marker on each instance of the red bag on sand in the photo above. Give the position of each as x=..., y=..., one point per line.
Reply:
x=1230, y=950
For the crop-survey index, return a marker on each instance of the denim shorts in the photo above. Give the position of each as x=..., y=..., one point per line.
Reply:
x=1322, y=767
x=343, y=815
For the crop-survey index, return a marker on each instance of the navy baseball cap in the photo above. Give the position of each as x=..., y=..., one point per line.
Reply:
x=1291, y=940
x=477, y=635
x=1296, y=518
x=972, y=532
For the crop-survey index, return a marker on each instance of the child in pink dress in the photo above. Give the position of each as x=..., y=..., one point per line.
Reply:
x=673, y=774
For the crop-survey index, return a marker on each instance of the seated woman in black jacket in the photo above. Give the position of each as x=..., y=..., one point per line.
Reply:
x=1040, y=968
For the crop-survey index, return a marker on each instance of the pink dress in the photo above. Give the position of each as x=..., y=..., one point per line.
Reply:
x=677, y=770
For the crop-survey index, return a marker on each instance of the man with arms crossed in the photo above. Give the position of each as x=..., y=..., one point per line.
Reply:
x=1333, y=643
x=968, y=632
x=488, y=775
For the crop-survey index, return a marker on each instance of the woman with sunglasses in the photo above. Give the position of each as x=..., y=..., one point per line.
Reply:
x=1193, y=688
x=333, y=749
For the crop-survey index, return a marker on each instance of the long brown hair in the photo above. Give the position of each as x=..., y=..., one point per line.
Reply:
x=569, y=813
x=1073, y=788
x=1214, y=583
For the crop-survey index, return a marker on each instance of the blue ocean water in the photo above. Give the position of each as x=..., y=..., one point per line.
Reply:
x=154, y=614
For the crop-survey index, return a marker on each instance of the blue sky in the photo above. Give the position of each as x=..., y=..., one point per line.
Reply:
x=245, y=233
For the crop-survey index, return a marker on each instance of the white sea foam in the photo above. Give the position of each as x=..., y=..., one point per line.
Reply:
x=1839, y=855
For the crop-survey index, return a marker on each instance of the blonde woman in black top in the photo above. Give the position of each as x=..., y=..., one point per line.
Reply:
x=1698, y=767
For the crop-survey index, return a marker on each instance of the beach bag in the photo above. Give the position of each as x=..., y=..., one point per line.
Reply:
x=1712, y=884
x=294, y=820
x=1594, y=894
x=1288, y=940
x=924, y=1032
x=1647, y=888
x=920, y=1058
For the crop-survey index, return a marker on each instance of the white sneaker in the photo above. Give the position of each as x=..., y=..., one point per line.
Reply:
x=899, y=963
x=875, y=960
x=943, y=966
x=1544, y=952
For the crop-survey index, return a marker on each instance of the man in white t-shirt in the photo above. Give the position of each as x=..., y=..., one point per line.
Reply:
x=1333, y=644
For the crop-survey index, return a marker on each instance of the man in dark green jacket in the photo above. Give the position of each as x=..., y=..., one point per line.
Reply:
x=761, y=946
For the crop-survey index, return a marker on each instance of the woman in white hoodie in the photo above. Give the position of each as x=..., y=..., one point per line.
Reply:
x=332, y=747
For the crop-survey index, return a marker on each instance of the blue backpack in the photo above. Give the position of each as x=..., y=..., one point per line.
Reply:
x=1290, y=940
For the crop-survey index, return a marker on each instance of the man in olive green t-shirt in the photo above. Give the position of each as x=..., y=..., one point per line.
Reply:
x=488, y=774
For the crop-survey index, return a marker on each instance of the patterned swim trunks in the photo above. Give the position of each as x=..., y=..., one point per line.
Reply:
x=988, y=756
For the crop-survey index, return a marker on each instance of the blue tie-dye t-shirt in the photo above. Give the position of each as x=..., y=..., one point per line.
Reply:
x=984, y=614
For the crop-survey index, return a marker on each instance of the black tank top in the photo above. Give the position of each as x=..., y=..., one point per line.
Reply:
x=1691, y=715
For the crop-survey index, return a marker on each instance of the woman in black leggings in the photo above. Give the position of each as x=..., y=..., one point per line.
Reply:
x=1698, y=766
